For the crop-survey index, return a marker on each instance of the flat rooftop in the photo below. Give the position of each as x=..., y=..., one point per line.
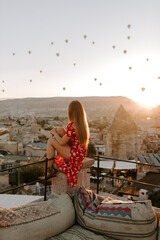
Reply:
x=11, y=200
x=119, y=165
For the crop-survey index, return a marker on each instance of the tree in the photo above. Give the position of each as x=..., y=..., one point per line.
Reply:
x=31, y=173
x=56, y=118
x=91, y=149
x=155, y=198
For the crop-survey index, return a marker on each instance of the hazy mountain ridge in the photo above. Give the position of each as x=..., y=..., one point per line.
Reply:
x=94, y=106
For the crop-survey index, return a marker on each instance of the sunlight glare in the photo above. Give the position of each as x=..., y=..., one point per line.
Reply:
x=148, y=99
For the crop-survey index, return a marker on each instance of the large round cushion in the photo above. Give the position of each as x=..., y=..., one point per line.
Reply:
x=37, y=221
x=118, y=219
x=79, y=233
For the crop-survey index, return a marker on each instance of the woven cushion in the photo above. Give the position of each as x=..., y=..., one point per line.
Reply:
x=114, y=218
x=26, y=214
x=79, y=233
x=37, y=221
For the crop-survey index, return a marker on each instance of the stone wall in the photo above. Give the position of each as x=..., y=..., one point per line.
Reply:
x=4, y=178
x=60, y=183
x=12, y=147
x=4, y=137
x=121, y=146
x=30, y=151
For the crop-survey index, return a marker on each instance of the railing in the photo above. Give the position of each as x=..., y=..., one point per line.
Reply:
x=33, y=182
x=96, y=157
x=99, y=158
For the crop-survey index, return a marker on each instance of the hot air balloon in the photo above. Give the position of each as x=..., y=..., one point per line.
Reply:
x=3, y=90
x=128, y=37
x=93, y=42
x=158, y=77
x=3, y=81
x=100, y=84
x=66, y=41
x=13, y=54
x=74, y=64
x=95, y=79
x=52, y=43
x=29, y=52
x=125, y=51
x=113, y=46
x=64, y=88
x=143, y=89
x=85, y=36
x=147, y=59
x=57, y=54
x=40, y=71
x=30, y=80
x=130, y=68
x=129, y=26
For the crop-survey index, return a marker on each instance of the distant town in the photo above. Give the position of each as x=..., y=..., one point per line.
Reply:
x=120, y=135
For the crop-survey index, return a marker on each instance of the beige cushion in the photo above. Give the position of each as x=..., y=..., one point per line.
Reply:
x=118, y=219
x=78, y=233
x=37, y=221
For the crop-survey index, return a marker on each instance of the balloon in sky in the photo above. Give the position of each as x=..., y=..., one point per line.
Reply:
x=3, y=81
x=130, y=68
x=95, y=79
x=143, y=89
x=113, y=46
x=64, y=88
x=85, y=36
x=40, y=71
x=128, y=37
x=29, y=52
x=129, y=26
x=93, y=42
x=57, y=54
x=158, y=77
x=52, y=43
x=30, y=80
x=147, y=59
x=100, y=84
x=74, y=64
x=66, y=41
x=3, y=90
x=125, y=51
x=13, y=54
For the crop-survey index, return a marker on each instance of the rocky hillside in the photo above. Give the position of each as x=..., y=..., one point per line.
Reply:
x=57, y=106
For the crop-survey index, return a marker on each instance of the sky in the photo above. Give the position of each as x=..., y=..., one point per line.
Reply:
x=92, y=61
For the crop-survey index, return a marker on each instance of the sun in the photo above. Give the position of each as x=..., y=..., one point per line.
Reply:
x=148, y=99
x=146, y=93
x=149, y=102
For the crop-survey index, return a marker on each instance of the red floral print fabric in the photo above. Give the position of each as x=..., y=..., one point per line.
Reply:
x=77, y=154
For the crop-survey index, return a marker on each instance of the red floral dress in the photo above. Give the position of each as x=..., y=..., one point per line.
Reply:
x=77, y=154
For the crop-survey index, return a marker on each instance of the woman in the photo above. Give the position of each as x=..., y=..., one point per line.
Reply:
x=70, y=144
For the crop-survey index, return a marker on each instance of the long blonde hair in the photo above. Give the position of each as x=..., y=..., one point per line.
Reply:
x=77, y=114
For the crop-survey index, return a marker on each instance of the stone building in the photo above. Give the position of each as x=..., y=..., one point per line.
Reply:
x=150, y=158
x=4, y=135
x=4, y=176
x=36, y=149
x=121, y=140
x=14, y=129
x=12, y=146
x=100, y=149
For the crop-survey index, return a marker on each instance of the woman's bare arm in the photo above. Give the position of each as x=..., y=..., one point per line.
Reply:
x=62, y=140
